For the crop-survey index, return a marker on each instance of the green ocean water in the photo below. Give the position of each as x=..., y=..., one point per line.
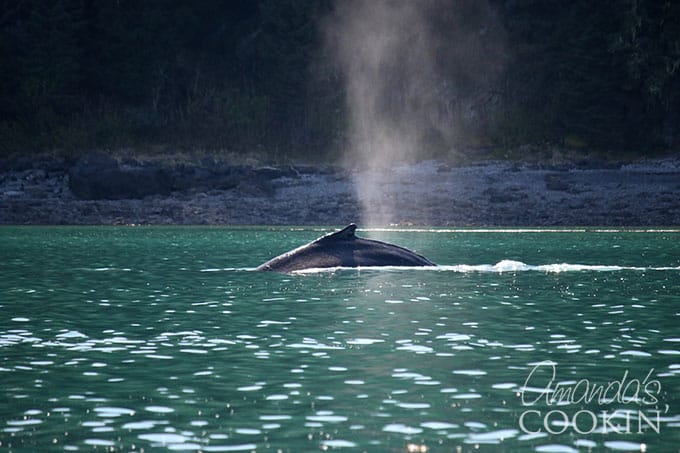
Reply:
x=164, y=338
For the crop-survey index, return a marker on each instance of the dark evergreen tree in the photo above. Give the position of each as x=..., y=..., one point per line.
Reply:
x=246, y=74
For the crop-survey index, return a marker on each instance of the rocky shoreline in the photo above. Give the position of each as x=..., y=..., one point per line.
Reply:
x=98, y=189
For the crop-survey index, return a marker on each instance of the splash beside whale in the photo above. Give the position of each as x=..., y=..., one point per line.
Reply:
x=343, y=249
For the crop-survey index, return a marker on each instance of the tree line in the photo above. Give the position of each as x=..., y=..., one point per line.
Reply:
x=248, y=75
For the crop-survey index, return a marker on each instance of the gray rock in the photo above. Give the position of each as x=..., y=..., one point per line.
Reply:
x=97, y=177
x=556, y=182
x=256, y=187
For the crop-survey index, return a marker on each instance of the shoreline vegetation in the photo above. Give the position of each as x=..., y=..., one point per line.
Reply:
x=274, y=75
x=489, y=112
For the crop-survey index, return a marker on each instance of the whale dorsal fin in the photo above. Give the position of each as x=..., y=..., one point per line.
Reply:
x=346, y=233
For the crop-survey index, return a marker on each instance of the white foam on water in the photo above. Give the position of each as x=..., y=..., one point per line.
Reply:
x=518, y=266
x=498, y=268
x=520, y=230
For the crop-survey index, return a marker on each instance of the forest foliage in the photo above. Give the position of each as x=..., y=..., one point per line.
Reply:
x=244, y=75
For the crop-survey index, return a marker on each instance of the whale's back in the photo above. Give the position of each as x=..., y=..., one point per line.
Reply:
x=344, y=249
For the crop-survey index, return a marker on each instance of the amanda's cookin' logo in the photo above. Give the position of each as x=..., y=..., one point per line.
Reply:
x=628, y=405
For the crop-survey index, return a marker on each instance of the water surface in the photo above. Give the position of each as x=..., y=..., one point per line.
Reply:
x=139, y=338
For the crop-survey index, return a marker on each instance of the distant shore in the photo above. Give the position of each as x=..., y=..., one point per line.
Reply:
x=98, y=189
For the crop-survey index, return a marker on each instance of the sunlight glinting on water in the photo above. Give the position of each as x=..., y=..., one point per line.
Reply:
x=208, y=357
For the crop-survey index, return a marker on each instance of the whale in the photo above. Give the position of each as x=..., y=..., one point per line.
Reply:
x=343, y=248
